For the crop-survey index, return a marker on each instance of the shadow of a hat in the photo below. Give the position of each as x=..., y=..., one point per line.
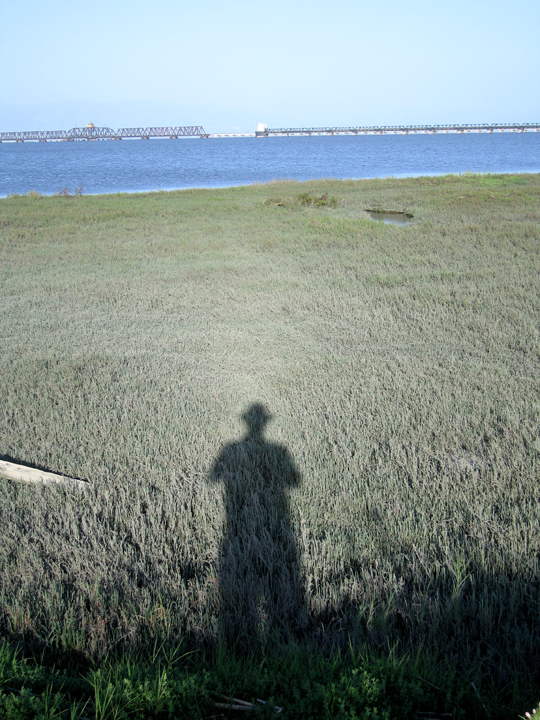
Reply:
x=256, y=417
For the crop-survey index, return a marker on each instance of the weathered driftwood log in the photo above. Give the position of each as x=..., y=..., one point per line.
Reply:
x=21, y=473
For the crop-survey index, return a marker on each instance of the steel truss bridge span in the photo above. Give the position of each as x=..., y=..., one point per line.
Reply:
x=103, y=133
x=401, y=129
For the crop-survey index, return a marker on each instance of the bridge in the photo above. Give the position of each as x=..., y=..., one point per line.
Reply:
x=263, y=131
x=91, y=132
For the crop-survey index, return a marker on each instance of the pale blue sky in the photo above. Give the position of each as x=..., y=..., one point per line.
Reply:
x=229, y=65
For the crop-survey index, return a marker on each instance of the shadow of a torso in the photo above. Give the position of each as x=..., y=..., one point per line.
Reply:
x=258, y=574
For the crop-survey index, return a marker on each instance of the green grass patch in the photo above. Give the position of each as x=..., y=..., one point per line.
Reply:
x=166, y=683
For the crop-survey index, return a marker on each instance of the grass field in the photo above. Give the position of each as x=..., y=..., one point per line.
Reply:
x=391, y=504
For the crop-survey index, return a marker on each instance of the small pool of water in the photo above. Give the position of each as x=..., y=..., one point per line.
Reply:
x=390, y=218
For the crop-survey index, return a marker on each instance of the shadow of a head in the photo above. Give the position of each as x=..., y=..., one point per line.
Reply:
x=256, y=417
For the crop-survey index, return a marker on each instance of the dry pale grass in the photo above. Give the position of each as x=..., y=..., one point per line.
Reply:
x=401, y=366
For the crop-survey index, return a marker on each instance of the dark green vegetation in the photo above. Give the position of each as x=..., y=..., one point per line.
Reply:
x=164, y=684
x=401, y=366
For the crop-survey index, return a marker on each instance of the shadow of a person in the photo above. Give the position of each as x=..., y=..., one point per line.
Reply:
x=259, y=579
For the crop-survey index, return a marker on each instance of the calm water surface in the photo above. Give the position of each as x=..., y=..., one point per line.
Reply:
x=139, y=165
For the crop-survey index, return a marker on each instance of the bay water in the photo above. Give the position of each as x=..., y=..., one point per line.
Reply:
x=149, y=165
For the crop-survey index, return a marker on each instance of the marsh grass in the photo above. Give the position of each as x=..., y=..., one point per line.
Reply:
x=29, y=194
x=401, y=366
x=303, y=200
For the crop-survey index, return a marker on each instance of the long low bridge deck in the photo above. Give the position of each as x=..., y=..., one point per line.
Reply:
x=105, y=133
x=401, y=129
